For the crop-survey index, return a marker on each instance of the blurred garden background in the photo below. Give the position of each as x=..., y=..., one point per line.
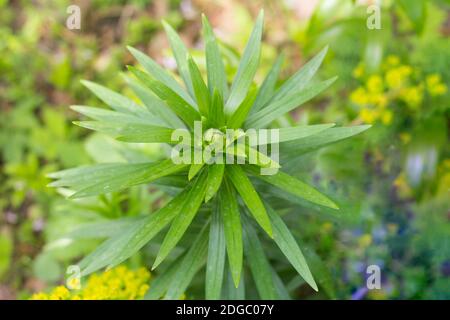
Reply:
x=395, y=178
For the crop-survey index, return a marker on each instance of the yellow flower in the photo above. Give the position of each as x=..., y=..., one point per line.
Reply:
x=386, y=117
x=117, y=283
x=359, y=96
x=375, y=84
x=413, y=96
x=405, y=137
x=365, y=240
x=358, y=72
x=368, y=115
x=392, y=60
x=435, y=86
x=396, y=77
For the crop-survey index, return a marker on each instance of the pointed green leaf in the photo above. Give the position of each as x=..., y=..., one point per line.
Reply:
x=162, y=282
x=217, y=79
x=239, y=116
x=268, y=86
x=301, y=78
x=277, y=108
x=216, y=115
x=247, y=68
x=259, y=265
x=182, y=221
x=249, y=196
x=161, y=75
x=233, y=230
x=183, y=110
x=191, y=263
x=155, y=105
x=200, y=90
x=119, y=248
x=180, y=53
x=287, y=244
x=216, y=256
x=297, y=148
x=194, y=169
x=294, y=186
x=215, y=176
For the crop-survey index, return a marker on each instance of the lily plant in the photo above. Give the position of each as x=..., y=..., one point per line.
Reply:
x=226, y=197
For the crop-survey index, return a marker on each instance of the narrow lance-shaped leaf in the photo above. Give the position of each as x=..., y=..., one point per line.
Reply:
x=182, y=221
x=191, y=263
x=216, y=256
x=233, y=230
x=119, y=248
x=294, y=186
x=160, y=74
x=199, y=87
x=180, y=53
x=293, y=149
x=217, y=79
x=267, y=88
x=302, y=77
x=250, y=197
x=155, y=105
x=259, y=265
x=247, y=68
x=215, y=177
x=185, y=111
x=238, y=118
x=278, y=107
x=287, y=244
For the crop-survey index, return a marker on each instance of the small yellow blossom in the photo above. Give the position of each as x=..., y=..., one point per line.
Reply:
x=358, y=72
x=395, y=78
x=359, y=96
x=386, y=117
x=368, y=115
x=434, y=84
x=405, y=137
x=413, y=96
x=392, y=60
x=119, y=283
x=375, y=84
x=365, y=240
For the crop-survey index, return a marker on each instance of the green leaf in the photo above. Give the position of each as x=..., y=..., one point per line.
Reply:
x=216, y=115
x=180, y=53
x=247, y=68
x=301, y=78
x=294, y=186
x=119, y=248
x=161, y=75
x=194, y=169
x=276, y=108
x=268, y=86
x=259, y=265
x=200, y=89
x=182, y=109
x=113, y=99
x=239, y=116
x=215, y=177
x=157, y=107
x=294, y=133
x=216, y=256
x=230, y=291
x=134, y=132
x=105, y=178
x=114, y=116
x=249, y=196
x=299, y=147
x=233, y=230
x=191, y=263
x=182, y=221
x=287, y=244
x=97, y=230
x=162, y=282
x=217, y=79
